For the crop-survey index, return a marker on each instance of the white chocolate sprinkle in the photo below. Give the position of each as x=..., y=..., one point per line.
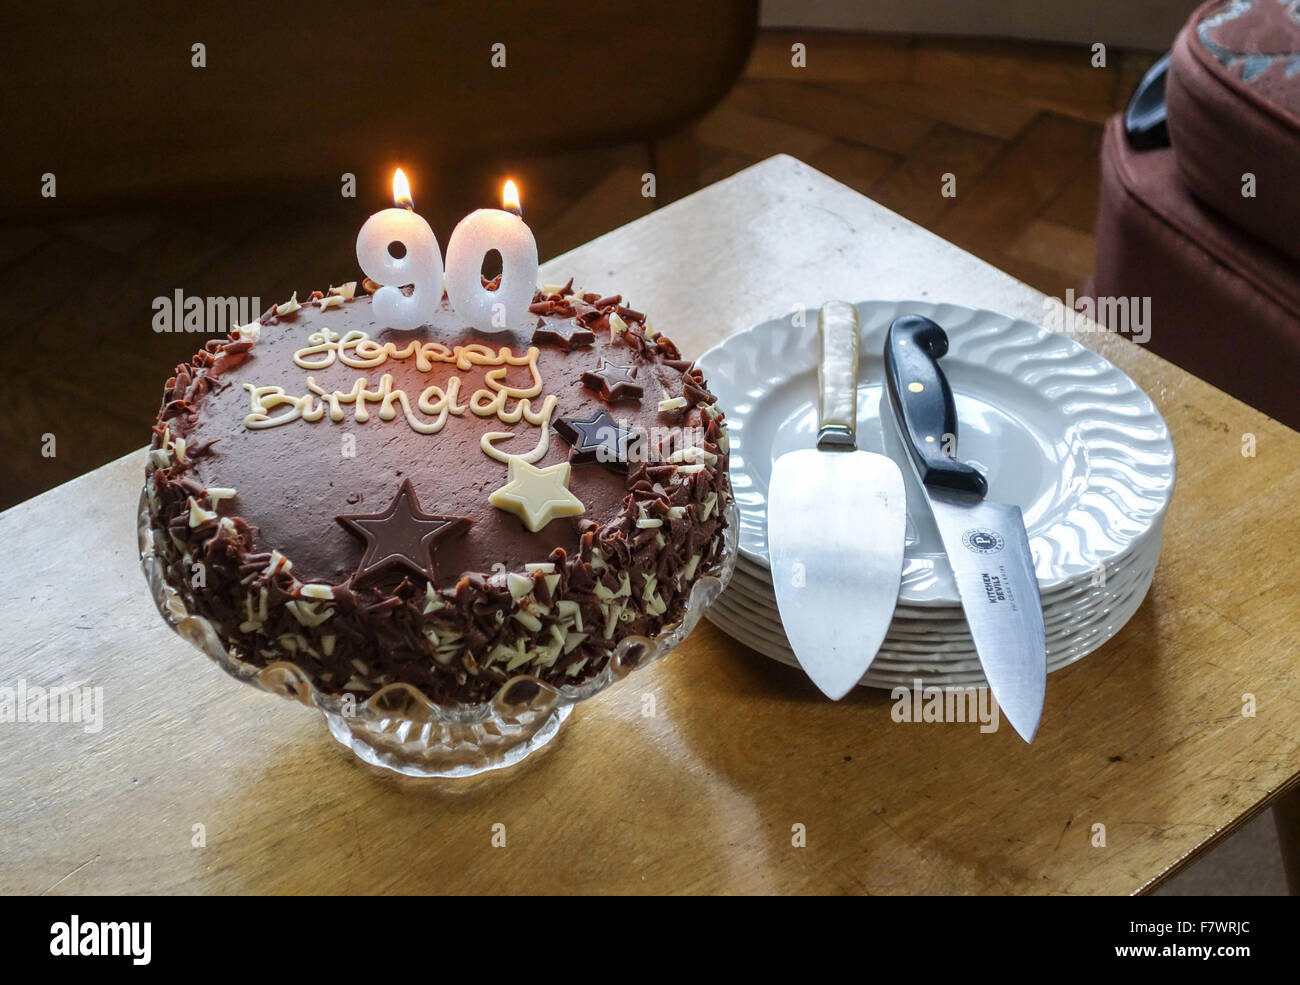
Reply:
x=309, y=613
x=528, y=621
x=691, y=566
x=645, y=522
x=617, y=326
x=255, y=617
x=289, y=307
x=522, y=658
x=693, y=454
x=217, y=493
x=198, y=515
x=706, y=508
x=519, y=585
x=612, y=615
x=546, y=655
x=570, y=610
x=277, y=563
x=672, y=403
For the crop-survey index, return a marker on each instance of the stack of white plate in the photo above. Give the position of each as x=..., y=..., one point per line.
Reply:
x=1054, y=427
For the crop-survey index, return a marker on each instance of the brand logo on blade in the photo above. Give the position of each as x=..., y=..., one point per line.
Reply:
x=977, y=540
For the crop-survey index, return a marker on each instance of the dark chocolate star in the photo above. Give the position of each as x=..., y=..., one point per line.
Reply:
x=612, y=382
x=598, y=439
x=402, y=535
x=566, y=334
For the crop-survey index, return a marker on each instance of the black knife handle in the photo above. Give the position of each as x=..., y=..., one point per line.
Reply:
x=923, y=402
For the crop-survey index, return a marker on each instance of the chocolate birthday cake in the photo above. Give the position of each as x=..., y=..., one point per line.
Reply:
x=437, y=507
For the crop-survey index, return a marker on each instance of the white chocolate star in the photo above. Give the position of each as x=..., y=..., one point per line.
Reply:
x=537, y=496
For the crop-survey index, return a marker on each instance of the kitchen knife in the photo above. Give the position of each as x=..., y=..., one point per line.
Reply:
x=836, y=519
x=986, y=542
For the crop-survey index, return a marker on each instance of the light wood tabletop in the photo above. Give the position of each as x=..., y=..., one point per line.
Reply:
x=196, y=783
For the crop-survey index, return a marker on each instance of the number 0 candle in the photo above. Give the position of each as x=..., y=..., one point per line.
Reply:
x=420, y=266
x=478, y=233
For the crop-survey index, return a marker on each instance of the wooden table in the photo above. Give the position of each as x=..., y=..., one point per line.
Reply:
x=1145, y=737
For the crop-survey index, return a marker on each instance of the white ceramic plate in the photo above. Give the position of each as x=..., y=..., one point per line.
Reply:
x=758, y=583
x=887, y=672
x=1055, y=428
x=950, y=656
x=755, y=598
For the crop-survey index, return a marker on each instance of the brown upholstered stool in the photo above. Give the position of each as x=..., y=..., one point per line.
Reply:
x=1222, y=269
x=1233, y=101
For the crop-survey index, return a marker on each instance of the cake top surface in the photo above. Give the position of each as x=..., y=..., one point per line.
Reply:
x=334, y=433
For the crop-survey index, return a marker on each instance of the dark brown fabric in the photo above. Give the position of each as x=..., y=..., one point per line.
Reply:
x=1233, y=99
x=106, y=95
x=1223, y=304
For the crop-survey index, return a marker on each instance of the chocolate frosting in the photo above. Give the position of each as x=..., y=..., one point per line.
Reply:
x=294, y=479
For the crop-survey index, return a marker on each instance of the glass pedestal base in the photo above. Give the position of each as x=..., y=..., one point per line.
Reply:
x=431, y=749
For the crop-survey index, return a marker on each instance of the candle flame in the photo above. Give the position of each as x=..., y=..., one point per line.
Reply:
x=510, y=198
x=402, y=190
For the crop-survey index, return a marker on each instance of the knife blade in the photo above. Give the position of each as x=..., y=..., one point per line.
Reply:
x=836, y=523
x=986, y=541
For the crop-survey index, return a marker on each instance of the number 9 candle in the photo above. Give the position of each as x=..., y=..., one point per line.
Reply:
x=420, y=266
x=479, y=232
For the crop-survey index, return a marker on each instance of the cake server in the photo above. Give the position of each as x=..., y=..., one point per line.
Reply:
x=836, y=522
x=986, y=542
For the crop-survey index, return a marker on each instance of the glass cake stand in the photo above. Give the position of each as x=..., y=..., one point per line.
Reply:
x=398, y=728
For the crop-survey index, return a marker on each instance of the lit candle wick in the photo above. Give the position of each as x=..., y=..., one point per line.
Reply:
x=402, y=191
